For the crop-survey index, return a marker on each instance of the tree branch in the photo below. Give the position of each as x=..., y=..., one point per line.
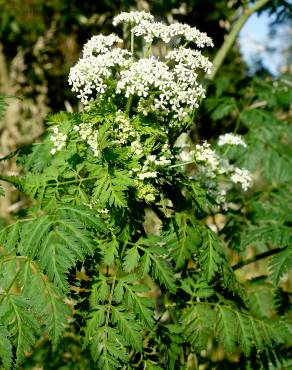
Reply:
x=230, y=39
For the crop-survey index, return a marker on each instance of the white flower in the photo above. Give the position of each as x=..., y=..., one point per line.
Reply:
x=243, y=177
x=169, y=89
x=186, y=156
x=189, y=59
x=203, y=153
x=162, y=161
x=89, y=135
x=88, y=76
x=136, y=147
x=147, y=175
x=58, y=139
x=231, y=139
x=134, y=17
x=150, y=30
x=144, y=75
x=100, y=44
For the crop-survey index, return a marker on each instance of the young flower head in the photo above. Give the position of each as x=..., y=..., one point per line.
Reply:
x=231, y=139
x=242, y=176
x=132, y=17
x=58, y=140
x=100, y=44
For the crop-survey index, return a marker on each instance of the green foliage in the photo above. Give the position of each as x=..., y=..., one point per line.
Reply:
x=81, y=258
x=281, y=263
x=81, y=265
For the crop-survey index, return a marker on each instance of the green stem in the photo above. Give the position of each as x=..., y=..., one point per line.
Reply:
x=129, y=103
x=181, y=164
x=257, y=258
x=230, y=39
x=132, y=42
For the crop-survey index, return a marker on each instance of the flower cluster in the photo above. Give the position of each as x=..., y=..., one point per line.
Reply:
x=89, y=75
x=231, y=139
x=100, y=44
x=243, y=177
x=89, y=135
x=210, y=165
x=125, y=131
x=204, y=154
x=58, y=139
x=132, y=17
x=150, y=30
x=167, y=88
x=146, y=192
x=190, y=59
x=143, y=75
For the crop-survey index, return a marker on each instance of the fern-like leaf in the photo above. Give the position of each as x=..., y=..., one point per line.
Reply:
x=210, y=257
x=127, y=325
x=280, y=264
x=232, y=327
x=21, y=323
x=160, y=267
x=184, y=241
x=110, y=188
x=5, y=348
x=46, y=298
x=135, y=300
x=131, y=259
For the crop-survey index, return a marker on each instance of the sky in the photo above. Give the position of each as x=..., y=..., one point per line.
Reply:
x=255, y=42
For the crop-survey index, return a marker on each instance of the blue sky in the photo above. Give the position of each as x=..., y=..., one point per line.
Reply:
x=255, y=40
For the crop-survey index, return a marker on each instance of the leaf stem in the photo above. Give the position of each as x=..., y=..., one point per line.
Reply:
x=132, y=42
x=257, y=258
x=129, y=103
x=10, y=286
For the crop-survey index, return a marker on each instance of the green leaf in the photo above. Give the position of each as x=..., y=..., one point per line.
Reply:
x=110, y=251
x=82, y=214
x=99, y=292
x=131, y=259
x=234, y=329
x=160, y=267
x=107, y=347
x=210, y=256
x=184, y=241
x=128, y=326
x=280, y=263
x=141, y=305
x=198, y=325
x=21, y=323
x=9, y=237
x=5, y=348
x=32, y=234
x=47, y=300
x=110, y=188
x=225, y=329
x=222, y=110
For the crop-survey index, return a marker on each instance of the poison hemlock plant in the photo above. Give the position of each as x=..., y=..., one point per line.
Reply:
x=81, y=260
